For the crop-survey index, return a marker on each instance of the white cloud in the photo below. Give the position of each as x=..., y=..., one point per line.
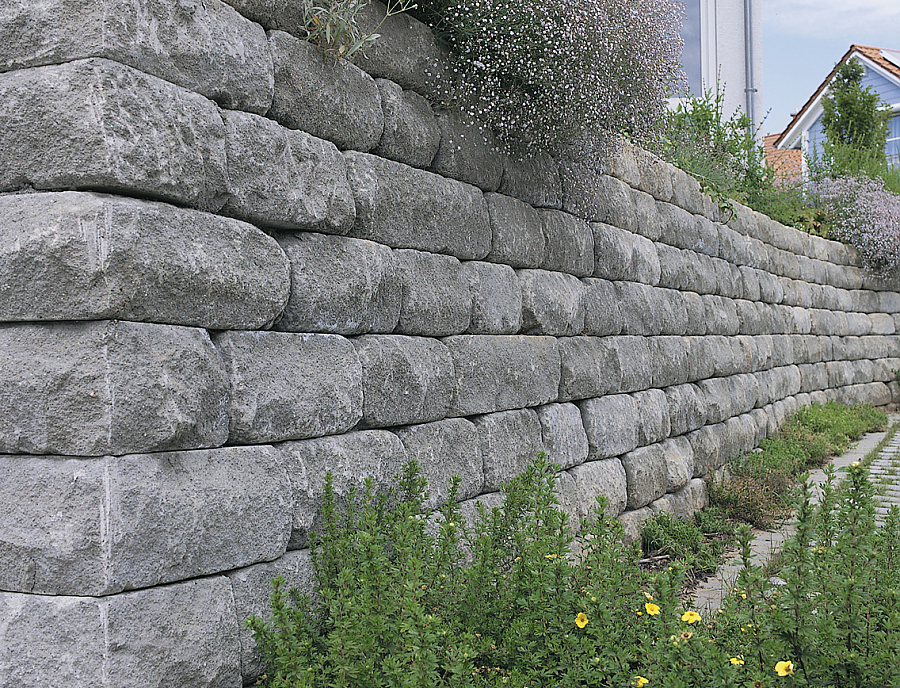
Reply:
x=835, y=19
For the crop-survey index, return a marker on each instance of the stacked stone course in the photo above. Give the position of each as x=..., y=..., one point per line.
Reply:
x=230, y=266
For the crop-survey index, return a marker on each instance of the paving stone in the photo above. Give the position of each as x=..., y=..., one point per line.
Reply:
x=145, y=136
x=563, y=435
x=288, y=386
x=646, y=474
x=496, y=298
x=612, y=425
x=600, y=478
x=411, y=135
x=570, y=243
x=405, y=379
x=100, y=526
x=510, y=441
x=109, y=387
x=467, y=152
x=86, y=256
x=330, y=99
x=518, y=237
x=207, y=48
x=434, y=300
x=552, y=303
x=403, y=207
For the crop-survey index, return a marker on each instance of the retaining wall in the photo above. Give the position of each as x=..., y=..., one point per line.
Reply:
x=229, y=266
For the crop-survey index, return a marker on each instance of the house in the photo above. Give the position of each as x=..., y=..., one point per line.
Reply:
x=787, y=164
x=723, y=52
x=881, y=75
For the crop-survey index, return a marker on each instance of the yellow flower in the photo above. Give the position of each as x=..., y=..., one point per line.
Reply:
x=784, y=668
x=690, y=617
x=550, y=556
x=639, y=681
x=651, y=608
x=738, y=661
x=648, y=596
x=855, y=464
x=687, y=635
x=581, y=620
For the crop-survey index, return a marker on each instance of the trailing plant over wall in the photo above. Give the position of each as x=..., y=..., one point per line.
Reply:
x=333, y=25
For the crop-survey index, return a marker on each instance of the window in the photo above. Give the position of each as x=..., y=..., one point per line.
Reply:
x=692, y=55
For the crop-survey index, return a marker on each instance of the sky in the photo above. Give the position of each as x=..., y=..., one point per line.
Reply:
x=804, y=39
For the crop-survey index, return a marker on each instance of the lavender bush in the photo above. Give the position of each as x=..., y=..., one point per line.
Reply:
x=865, y=214
x=546, y=74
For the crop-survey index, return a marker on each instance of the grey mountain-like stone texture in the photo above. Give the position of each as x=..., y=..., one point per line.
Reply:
x=231, y=265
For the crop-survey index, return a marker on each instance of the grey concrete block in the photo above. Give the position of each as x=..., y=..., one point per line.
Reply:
x=444, y=449
x=287, y=179
x=647, y=475
x=517, y=234
x=685, y=270
x=563, y=435
x=145, y=136
x=532, y=177
x=80, y=256
x=882, y=323
x=405, y=379
x=403, y=207
x=351, y=459
x=411, y=135
x=647, y=310
x=770, y=289
x=186, y=633
x=685, y=502
x=434, y=298
x=604, y=478
x=498, y=372
x=653, y=416
x=750, y=283
x=710, y=450
x=677, y=226
x=669, y=360
x=570, y=243
x=813, y=377
x=612, y=425
x=596, y=197
x=339, y=285
x=109, y=387
x=679, y=457
x=707, y=237
x=552, y=303
x=645, y=265
x=209, y=49
x=590, y=367
x=721, y=315
x=622, y=163
x=468, y=151
x=654, y=174
x=861, y=323
x=687, y=408
x=696, y=313
x=729, y=396
x=330, y=99
x=510, y=440
x=613, y=248
x=100, y=526
x=635, y=362
x=647, y=215
x=496, y=298
x=288, y=386
x=706, y=352
x=601, y=308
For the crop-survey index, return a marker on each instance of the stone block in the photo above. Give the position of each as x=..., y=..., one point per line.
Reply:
x=467, y=151
x=710, y=452
x=590, y=367
x=696, y=313
x=186, y=633
x=86, y=256
x=684, y=270
x=405, y=379
x=496, y=298
x=632, y=523
x=330, y=99
x=635, y=362
x=679, y=458
x=677, y=226
x=434, y=297
x=647, y=475
x=444, y=449
x=654, y=173
x=533, y=178
x=351, y=459
x=604, y=478
x=813, y=377
x=687, y=408
x=601, y=308
x=500, y=372
x=859, y=324
x=647, y=215
x=613, y=248
x=570, y=243
x=653, y=416
x=403, y=207
x=209, y=49
x=612, y=425
x=563, y=435
x=728, y=396
x=552, y=303
x=707, y=237
x=517, y=235
x=109, y=387
x=596, y=197
x=645, y=267
x=770, y=289
x=145, y=136
x=750, y=283
x=100, y=526
x=411, y=135
x=683, y=503
x=882, y=323
x=706, y=352
x=510, y=440
x=669, y=360
x=339, y=285
x=721, y=315
x=285, y=179
x=673, y=309
x=567, y=498
x=289, y=386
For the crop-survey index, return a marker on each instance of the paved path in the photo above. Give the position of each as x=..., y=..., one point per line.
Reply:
x=886, y=474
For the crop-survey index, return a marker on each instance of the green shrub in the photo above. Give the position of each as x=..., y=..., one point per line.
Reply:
x=333, y=25
x=687, y=541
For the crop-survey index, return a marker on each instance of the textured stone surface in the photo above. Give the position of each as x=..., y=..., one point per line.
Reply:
x=339, y=285
x=100, y=526
x=653, y=416
x=510, y=440
x=286, y=179
x=404, y=207
x=563, y=434
x=333, y=100
x=444, y=449
x=185, y=633
x=75, y=256
x=687, y=408
x=621, y=255
x=498, y=373
x=109, y=387
x=685, y=502
x=679, y=458
x=552, y=303
x=611, y=424
x=434, y=298
x=405, y=379
x=600, y=478
x=590, y=367
x=647, y=474
x=496, y=298
x=533, y=178
x=601, y=308
x=632, y=523
x=517, y=235
x=287, y=386
x=351, y=458
x=467, y=151
x=411, y=134
x=570, y=243
x=143, y=136
x=207, y=47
